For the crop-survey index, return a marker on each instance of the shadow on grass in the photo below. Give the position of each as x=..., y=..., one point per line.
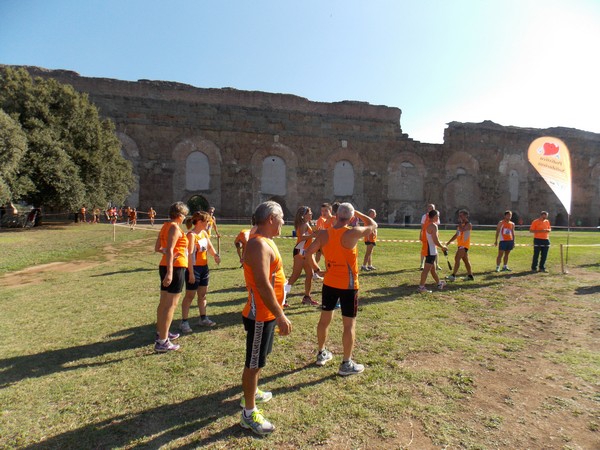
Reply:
x=587, y=290
x=169, y=422
x=122, y=272
x=45, y=363
x=404, y=291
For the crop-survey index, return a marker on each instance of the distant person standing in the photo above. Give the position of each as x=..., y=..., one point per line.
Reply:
x=151, y=215
x=425, y=220
x=506, y=232
x=212, y=225
x=338, y=244
x=325, y=221
x=82, y=214
x=540, y=228
x=370, y=242
x=172, y=243
x=304, y=235
x=241, y=240
x=132, y=218
x=96, y=214
x=265, y=280
x=430, y=243
x=463, y=240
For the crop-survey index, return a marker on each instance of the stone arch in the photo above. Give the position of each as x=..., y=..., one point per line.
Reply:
x=290, y=164
x=595, y=194
x=513, y=185
x=460, y=187
x=405, y=175
x=130, y=151
x=181, y=153
x=353, y=158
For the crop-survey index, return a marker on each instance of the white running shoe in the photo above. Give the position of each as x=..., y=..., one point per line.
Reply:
x=185, y=327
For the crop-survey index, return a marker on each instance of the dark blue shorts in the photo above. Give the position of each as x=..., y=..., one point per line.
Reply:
x=506, y=246
x=201, y=275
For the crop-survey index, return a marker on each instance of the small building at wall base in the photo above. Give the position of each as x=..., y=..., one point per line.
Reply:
x=233, y=149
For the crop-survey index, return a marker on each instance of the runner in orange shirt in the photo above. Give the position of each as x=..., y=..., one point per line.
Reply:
x=198, y=273
x=241, y=240
x=265, y=280
x=132, y=218
x=151, y=215
x=325, y=221
x=506, y=231
x=338, y=244
x=463, y=240
x=303, y=239
x=370, y=242
x=172, y=244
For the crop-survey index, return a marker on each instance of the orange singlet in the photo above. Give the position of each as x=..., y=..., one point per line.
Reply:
x=181, y=260
x=341, y=263
x=303, y=245
x=201, y=248
x=255, y=308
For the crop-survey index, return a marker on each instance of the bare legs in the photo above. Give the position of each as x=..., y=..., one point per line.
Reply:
x=164, y=313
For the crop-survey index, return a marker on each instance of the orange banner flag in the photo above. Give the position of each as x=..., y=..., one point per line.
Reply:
x=550, y=157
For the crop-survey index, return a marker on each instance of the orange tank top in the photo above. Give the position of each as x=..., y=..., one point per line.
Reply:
x=180, y=250
x=255, y=308
x=303, y=244
x=464, y=236
x=341, y=262
x=201, y=248
x=371, y=237
x=507, y=231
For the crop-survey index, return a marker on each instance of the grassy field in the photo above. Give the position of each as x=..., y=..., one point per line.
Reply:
x=511, y=360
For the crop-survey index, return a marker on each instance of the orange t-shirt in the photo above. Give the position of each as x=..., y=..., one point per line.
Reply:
x=180, y=250
x=341, y=262
x=537, y=226
x=324, y=223
x=255, y=308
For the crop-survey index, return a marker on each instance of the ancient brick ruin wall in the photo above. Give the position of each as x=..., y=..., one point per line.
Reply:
x=480, y=167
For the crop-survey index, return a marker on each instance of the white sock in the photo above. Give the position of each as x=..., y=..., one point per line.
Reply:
x=248, y=412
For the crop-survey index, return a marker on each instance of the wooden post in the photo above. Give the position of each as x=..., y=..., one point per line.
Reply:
x=562, y=261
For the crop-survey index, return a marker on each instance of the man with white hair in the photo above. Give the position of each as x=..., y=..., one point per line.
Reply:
x=265, y=281
x=338, y=245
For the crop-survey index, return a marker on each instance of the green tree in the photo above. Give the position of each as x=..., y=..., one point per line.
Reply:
x=73, y=157
x=13, y=145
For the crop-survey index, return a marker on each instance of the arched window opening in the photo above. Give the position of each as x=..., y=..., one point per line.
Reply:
x=343, y=178
x=273, y=179
x=197, y=172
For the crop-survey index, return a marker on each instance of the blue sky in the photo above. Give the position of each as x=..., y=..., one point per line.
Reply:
x=528, y=63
